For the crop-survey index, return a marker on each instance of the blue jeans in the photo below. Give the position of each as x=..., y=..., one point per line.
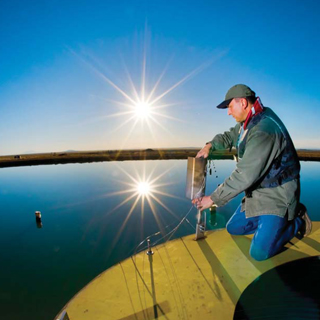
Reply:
x=271, y=232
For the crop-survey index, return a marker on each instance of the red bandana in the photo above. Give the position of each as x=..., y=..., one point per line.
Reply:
x=256, y=109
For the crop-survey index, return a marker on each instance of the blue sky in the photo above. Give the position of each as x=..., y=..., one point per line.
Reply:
x=61, y=60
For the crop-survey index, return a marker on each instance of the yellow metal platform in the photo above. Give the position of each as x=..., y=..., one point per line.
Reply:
x=184, y=279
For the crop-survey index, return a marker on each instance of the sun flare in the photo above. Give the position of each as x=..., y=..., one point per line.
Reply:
x=143, y=102
x=144, y=192
x=142, y=98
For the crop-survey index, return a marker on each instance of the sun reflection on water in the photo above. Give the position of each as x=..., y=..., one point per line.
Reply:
x=142, y=190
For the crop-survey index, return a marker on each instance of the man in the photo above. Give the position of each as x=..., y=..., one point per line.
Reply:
x=267, y=171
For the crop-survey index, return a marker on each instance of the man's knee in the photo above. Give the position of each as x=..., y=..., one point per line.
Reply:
x=259, y=254
x=232, y=229
x=237, y=229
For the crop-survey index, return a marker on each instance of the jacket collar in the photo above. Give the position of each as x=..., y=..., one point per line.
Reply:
x=255, y=109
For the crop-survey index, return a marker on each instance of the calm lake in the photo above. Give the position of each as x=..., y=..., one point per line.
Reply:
x=93, y=216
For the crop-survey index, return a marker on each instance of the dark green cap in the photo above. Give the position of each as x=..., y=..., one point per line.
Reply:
x=237, y=91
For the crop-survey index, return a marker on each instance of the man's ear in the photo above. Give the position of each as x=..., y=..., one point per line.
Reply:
x=244, y=103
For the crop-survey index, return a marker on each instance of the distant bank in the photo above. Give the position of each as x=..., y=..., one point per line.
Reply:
x=125, y=155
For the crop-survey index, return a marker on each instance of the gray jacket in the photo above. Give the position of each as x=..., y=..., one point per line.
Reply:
x=264, y=143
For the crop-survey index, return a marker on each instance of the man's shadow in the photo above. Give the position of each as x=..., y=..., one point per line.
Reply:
x=287, y=254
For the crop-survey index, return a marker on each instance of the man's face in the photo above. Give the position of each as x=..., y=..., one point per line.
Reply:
x=237, y=109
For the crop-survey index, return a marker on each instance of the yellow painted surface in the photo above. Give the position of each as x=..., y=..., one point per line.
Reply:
x=184, y=279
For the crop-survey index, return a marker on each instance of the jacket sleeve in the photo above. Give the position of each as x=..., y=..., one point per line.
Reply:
x=227, y=139
x=261, y=149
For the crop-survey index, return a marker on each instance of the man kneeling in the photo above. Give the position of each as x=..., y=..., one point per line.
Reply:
x=267, y=171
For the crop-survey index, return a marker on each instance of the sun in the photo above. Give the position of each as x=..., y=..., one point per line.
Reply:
x=143, y=103
x=142, y=110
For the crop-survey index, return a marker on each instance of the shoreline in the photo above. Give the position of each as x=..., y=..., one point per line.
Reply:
x=126, y=155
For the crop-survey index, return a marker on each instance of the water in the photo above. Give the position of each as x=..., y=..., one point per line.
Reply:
x=83, y=230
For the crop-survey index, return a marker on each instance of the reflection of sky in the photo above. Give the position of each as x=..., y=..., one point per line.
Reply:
x=80, y=225
x=52, y=100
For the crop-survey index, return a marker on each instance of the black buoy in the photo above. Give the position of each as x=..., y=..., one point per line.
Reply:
x=38, y=215
x=38, y=219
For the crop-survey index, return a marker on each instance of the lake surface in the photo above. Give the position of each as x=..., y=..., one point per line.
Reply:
x=93, y=217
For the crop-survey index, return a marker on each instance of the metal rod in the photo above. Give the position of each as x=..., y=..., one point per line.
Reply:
x=201, y=225
x=149, y=252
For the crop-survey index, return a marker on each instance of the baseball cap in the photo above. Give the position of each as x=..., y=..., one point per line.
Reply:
x=237, y=91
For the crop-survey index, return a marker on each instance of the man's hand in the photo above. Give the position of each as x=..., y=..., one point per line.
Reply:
x=203, y=203
x=204, y=152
